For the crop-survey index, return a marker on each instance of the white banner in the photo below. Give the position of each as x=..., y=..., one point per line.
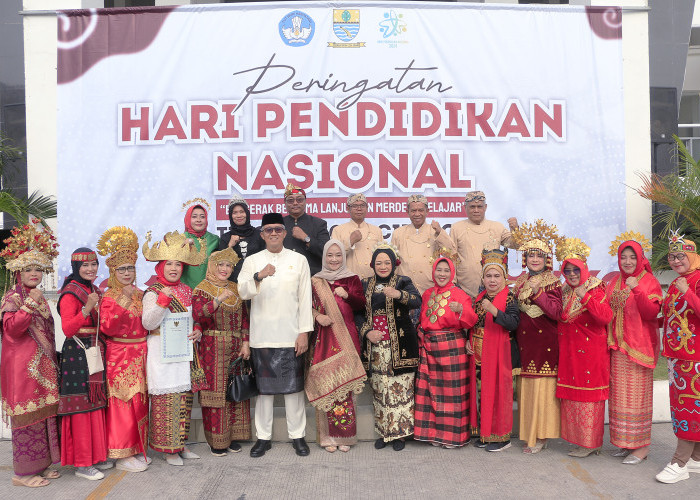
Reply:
x=160, y=105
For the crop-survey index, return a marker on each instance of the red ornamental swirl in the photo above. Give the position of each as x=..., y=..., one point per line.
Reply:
x=606, y=22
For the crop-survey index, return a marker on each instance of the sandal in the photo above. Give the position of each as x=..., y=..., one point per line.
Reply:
x=34, y=481
x=344, y=448
x=331, y=449
x=50, y=474
x=539, y=446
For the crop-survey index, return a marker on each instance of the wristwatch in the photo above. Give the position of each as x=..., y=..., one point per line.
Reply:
x=307, y=240
x=257, y=278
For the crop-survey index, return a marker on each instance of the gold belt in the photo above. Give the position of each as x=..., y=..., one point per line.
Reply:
x=87, y=330
x=155, y=332
x=128, y=341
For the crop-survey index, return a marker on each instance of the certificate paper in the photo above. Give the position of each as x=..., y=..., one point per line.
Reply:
x=175, y=346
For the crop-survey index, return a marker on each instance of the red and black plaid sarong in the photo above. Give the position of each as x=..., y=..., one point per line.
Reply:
x=442, y=389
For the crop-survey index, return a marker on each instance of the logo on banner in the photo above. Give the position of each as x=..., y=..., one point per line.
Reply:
x=297, y=29
x=392, y=28
x=346, y=26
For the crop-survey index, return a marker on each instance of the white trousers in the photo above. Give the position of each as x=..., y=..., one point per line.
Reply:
x=295, y=410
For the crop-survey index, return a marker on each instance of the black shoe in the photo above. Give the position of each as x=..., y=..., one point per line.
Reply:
x=234, y=447
x=398, y=445
x=260, y=447
x=498, y=446
x=300, y=447
x=480, y=444
x=379, y=443
x=219, y=452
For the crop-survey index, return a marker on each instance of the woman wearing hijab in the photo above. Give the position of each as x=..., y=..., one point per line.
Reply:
x=83, y=395
x=539, y=297
x=196, y=223
x=242, y=237
x=584, y=363
x=442, y=383
x=633, y=339
x=223, y=316
x=169, y=384
x=390, y=347
x=120, y=322
x=490, y=348
x=335, y=370
x=28, y=367
x=681, y=347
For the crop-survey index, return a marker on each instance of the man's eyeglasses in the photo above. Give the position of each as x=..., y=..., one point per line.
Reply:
x=126, y=269
x=292, y=200
x=271, y=230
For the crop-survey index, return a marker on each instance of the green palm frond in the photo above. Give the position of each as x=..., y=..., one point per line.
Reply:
x=42, y=207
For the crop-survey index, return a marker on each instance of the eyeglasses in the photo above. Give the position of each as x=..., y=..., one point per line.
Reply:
x=125, y=269
x=292, y=200
x=271, y=230
x=678, y=256
x=572, y=272
x=358, y=205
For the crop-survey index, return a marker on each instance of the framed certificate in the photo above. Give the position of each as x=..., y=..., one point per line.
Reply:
x=175, y=346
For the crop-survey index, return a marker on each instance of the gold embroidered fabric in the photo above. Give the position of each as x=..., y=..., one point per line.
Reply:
x=545, y=281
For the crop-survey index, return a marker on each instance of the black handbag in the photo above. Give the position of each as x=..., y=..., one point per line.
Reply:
x=241, y=385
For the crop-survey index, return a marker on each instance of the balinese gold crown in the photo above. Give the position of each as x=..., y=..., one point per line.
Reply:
x=227, y=255
x=388, y=246
x=121, y=244
x=678, y=243
x=629, y=236
x=538, y=236
x=175, y=246
x=495, y=257
x=445, y=252
x=573, y=248
x=32, y=244
x=196, y=201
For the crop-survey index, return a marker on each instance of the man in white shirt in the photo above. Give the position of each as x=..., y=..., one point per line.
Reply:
x=277, y=282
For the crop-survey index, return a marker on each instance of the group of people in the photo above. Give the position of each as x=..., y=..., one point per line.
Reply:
x=429, y=321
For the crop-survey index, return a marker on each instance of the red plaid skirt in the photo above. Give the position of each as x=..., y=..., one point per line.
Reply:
x=442, y=389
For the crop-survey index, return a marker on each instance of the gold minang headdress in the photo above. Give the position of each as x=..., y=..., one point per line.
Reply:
x=121, y=244
x=175, y=246
x=32, y=244
x=445, y=252
x=196, y=201
x=573, y=248
x=538, y=236
x=227, y=255
x=678, y=243
x=495, y=257
x=629, y=236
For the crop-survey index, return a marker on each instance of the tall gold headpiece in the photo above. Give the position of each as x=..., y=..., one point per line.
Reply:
x=226, y=255
x=678, y=243
x=196, y=201
x=495, y=257
x=32, y=244
x=629, y=236
x=175, y=246
x=445, y=252
x=121, y=244
x=573, y=248
x=538, y=236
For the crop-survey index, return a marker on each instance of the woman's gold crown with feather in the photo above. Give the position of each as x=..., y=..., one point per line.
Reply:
x=573, y=248
x=174, y=246
x=537, y=236
x=629, y=236
x=121, y=244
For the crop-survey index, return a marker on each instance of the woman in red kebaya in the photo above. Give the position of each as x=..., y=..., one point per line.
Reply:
x=442, y=384
x=584, y=363
x=633, y=339
x=120, y=322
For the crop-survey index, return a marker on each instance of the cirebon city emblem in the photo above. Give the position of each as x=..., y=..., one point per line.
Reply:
x=297, y=29
x=346, y=26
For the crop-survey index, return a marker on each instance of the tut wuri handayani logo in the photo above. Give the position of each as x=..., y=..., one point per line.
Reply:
x=346, y=26
x=297, y=29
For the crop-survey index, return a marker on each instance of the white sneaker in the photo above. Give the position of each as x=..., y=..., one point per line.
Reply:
x=89, y=473
x=106, y=465
x=173, y=459
x=131, y=464
x=672, y=473
x=189, y=455
x=693, y=465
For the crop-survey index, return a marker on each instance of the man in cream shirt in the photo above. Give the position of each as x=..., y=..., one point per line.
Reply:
x=417, y=241
x=278, y=284
x=470, y=236
x=359, y=238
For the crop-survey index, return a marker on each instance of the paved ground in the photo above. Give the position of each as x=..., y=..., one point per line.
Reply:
x=420, y=471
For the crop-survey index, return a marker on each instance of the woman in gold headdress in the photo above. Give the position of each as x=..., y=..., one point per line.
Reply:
x=223, y=317
x=125, y=367
x=28, y=368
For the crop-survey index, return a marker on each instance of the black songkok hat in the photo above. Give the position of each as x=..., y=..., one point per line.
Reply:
x=272, y=218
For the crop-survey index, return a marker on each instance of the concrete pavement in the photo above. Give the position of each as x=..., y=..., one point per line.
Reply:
x=420, y=471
